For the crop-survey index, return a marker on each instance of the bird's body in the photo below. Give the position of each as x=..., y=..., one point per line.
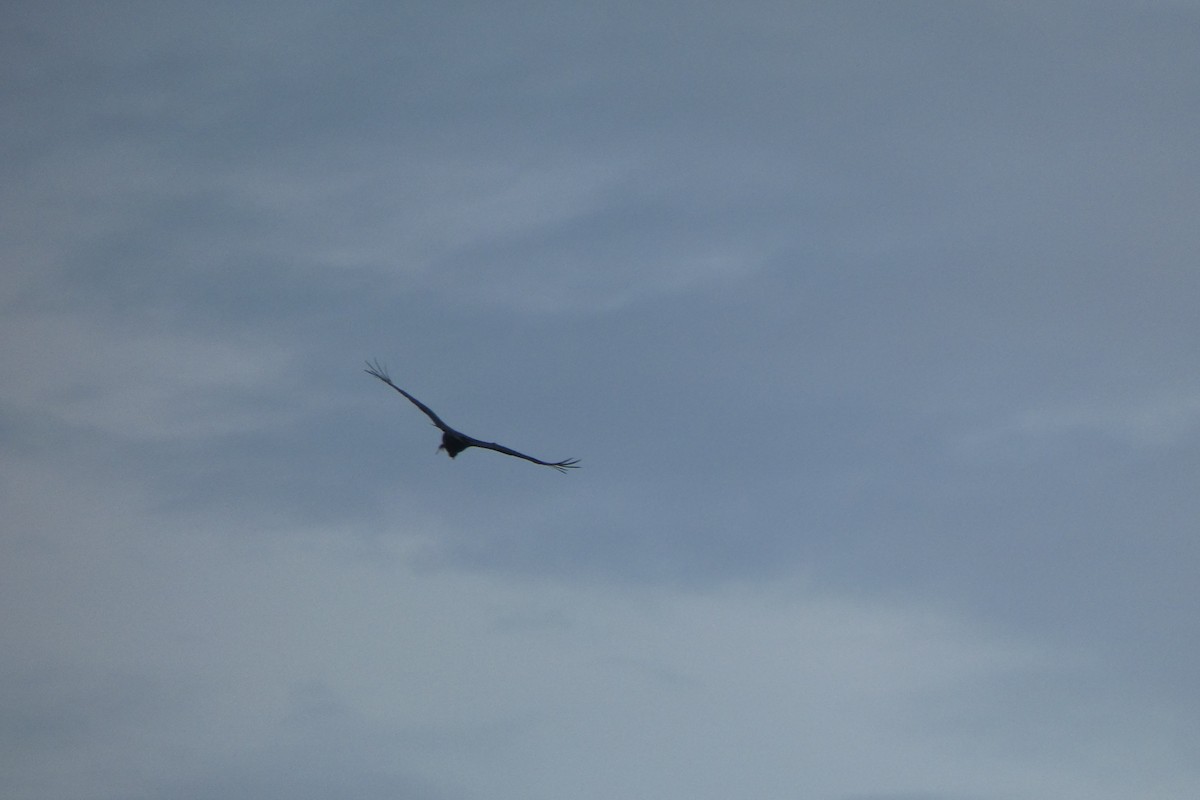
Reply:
x=454, y=442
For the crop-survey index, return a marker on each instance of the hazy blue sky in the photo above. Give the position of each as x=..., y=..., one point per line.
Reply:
x=874, y=326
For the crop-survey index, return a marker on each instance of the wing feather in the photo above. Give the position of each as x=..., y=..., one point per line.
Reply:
x=561, y=466
x=379, y=372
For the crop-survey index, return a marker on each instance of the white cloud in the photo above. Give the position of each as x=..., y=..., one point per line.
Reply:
x=1165, y=419
x=138, y=380
x=485, y=685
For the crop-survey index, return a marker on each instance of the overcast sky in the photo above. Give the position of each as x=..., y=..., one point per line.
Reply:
x=873, y=325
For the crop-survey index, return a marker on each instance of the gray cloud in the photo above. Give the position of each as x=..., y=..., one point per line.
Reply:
x=873, y=328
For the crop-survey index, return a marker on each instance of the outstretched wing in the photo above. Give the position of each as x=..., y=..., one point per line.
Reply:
x=376, y=369
x=561, y=466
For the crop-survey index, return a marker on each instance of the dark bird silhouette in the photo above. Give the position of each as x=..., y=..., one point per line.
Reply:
x=454, y=442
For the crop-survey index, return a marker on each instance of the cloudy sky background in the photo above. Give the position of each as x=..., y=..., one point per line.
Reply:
x=873, y=325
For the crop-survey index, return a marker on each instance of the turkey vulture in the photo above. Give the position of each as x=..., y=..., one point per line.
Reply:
x=454, y=442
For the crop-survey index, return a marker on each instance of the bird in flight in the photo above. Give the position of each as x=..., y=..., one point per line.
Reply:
x=454, y=442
